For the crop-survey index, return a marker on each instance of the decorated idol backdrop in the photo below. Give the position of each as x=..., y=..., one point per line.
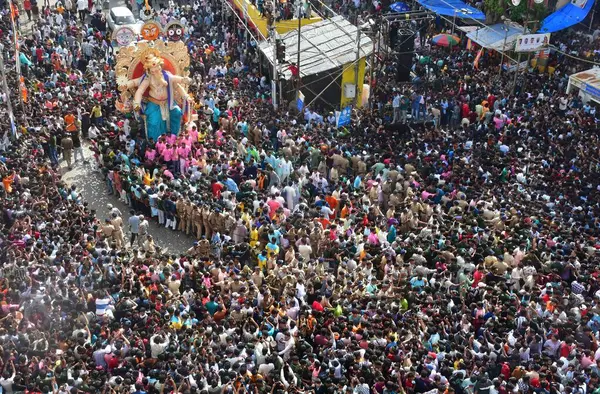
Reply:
x=152, y=76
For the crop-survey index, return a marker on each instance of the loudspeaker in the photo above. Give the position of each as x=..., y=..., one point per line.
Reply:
x=406, y=40
x=403, y=68
x=406, y=49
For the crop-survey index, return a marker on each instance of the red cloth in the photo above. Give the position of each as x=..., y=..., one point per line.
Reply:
x=317, y=306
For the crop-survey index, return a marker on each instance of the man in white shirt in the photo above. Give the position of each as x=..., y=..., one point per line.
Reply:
x=81, y=9
x=7, y=380
x=288, y=345
x=158, y=344
x=396, y=106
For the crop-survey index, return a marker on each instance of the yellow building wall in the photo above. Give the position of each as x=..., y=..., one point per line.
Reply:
x=289, y=25
x=260, y=23
x=348, y=76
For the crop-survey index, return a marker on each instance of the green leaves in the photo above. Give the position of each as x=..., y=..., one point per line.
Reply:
x=494, y=8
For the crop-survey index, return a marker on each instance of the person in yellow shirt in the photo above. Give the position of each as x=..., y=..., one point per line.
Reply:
x=96, y=115
x=148, y=178
x=254, y=237
x=246, y=218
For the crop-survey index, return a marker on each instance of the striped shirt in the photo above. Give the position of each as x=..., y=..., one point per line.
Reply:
x=101, y=305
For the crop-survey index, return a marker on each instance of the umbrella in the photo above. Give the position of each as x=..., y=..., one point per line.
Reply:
x=399, y=7
x=445, y=40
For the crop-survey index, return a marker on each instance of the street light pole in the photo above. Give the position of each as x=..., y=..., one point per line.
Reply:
x=357, y=66
x=512, y=91
x=299, y=81
x=503, y=48
x=454, y=21
x=5, y=88
x=528, y=54
x=274, y=79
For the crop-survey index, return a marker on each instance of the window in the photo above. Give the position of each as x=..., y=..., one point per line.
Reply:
x=123, y=19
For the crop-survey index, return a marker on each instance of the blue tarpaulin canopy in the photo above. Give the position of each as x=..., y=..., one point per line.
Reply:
x=569, y=15
x=452, y=8
x=399, y=7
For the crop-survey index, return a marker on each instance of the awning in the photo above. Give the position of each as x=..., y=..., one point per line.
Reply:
x=571, y=14
x=499, y=37
x=452, y=8
x=324, y=45
x=468, y=29
x=587, y=82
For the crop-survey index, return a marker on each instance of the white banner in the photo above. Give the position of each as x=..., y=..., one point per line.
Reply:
x=532, y=42
x=513, y=67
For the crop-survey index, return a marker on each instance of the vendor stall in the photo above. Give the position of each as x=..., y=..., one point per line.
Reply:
x=588, y=83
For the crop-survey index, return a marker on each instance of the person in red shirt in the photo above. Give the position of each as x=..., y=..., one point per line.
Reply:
x=112, y=361
x=465, y=110
x=316, y=306
x=39, y=55
x=217, y=188
x=274, y=205
x=27, y=7
x=477, y=276
x=565, y=347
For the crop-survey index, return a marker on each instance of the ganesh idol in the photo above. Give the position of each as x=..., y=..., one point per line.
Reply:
x=155, y=96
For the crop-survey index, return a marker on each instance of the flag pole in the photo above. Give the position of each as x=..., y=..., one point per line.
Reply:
x=7, y=94
x=12, y=7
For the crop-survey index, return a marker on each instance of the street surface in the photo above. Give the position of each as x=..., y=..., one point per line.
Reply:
x=93, y=188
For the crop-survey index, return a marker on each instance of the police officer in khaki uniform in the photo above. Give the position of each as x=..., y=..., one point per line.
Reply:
x=212, y=224
x=206, y=213
x=361, y=167
x=196, y=221
x=189, y=209
x=341, y=163
x=354, y=164
x=229, y=223
x=180, y=208
x=219, y=225
x=255, y=136
x=108, y=231
x=204, y=248
x=117, y=222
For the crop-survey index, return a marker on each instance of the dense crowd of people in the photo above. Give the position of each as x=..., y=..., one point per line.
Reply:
x=446, y=241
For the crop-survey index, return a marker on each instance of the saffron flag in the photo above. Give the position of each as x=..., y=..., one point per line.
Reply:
x=23, y=89
x=476, y=62
x=13, y=12
x=469, y=44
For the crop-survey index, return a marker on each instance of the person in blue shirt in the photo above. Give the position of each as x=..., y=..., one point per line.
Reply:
x=417, y=283
x=212, y=305
x=215, y=116
x=275, y=236
x=231, y=185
